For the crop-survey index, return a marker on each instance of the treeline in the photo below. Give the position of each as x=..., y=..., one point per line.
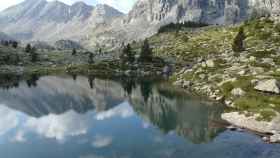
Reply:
x=178, y=26
x=8, y=43
x=130, y=56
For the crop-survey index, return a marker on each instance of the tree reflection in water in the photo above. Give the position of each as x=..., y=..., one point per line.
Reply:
x=157, y=102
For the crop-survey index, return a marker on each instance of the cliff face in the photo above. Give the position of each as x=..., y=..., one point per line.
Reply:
x=147, y=16
x=209, y=11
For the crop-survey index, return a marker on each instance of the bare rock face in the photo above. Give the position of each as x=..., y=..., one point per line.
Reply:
x=40, y=20
x=67, y=44
x=34, y=20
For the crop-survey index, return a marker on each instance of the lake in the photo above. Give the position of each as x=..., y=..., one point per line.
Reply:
x=88, y=117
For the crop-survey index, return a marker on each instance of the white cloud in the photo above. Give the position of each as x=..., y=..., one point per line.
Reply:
x=59, y=126
x=102, y=141
x=123, y=110
x=19, y=137
x=122, y=5
x=7, y=3
x=8, y=119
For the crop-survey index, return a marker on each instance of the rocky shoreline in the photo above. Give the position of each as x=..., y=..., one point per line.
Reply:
x=247, y=82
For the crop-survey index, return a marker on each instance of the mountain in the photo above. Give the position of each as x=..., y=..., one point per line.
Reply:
x=147, y=16
x=56, y=95
x=52, y=21
x=67, y=44
x=105, y=26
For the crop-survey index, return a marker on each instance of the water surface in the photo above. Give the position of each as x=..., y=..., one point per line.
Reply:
x=87, y=117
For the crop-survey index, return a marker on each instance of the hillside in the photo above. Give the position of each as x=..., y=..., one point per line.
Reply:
x=246, y=81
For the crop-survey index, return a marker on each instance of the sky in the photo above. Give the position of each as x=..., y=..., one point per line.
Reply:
x=122, y=5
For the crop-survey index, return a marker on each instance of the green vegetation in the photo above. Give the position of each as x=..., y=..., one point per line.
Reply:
x=127, y=54
x=33, y=55
x=28, y=48
x=249, y=47
x=146, y=53
x=180, y=26
x=74, y=52
x=91, y=58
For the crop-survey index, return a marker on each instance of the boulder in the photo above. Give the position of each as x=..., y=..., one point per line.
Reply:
x=252, y=59
x=271, y=86
x=275, y=138
x=167, y=70
x=237, y=92
x=210, y=63
x=268, y=61
x=186, y=84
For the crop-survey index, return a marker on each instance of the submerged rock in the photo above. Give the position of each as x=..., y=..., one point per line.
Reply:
x=271, y=86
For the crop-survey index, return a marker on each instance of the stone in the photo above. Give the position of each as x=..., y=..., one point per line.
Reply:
x=237, y=92
x=257, y=70
x=251, y=122
x=167, y=70
x=265, y=139
x=210, y=63
x=202, y=76
x=218, y=98
x=242, y=73
x=203, y=64
x=229, y=104
x=275, y=138
x=186, y=84
x=268, y=61
x=271, y=86
x=252, y=59
x=254, y=81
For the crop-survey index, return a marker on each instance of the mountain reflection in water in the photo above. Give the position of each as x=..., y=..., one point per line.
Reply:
x=87, y=117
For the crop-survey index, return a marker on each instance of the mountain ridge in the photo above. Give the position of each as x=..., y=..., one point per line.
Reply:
x=102, y=25
x=51, y=21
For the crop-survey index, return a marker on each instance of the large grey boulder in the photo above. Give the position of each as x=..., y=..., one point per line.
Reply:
x=271, y=86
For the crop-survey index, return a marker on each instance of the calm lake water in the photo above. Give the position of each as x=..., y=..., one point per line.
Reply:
x=80, y=117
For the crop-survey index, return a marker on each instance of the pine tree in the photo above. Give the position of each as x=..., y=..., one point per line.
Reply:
x=238, y=43
x=28, y=48
x=91, y=58
x=33, y=54
x=74, y=51
x=14, y=44
x=127, y=54
x=146, y=53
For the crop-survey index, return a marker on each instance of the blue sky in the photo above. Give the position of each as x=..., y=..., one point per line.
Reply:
x=122, y=5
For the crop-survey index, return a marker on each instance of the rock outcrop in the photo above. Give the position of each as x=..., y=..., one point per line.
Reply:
x=271, y=86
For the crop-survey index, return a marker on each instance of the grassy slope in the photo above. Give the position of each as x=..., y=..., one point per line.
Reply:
x=262, y=41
